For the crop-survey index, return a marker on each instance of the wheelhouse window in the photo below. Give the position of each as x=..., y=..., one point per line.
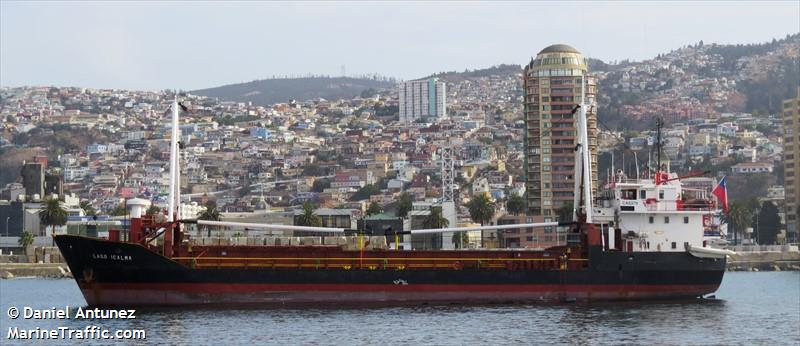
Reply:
x=652, y=219
x=685, y=219
x=666, y=219
x=628, y=194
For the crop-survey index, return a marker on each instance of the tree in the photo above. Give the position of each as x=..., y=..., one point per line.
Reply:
x=374, y=208
x=436, y=219
x=515, y=204
x=565, y=212
x=320, y=184
x=365, y=192
x=87, y=208
x=481, y=209
x=737, y=218
x=153, y=210
x=308, y=218
x=210, y=214
x=768, y=224
x=119, y=210
x=52, y=214
x=460, y=238
x=25, y=239
x=405, y=205
x=311, y=170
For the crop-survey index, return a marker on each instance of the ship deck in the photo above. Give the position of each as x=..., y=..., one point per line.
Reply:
x=321, y=257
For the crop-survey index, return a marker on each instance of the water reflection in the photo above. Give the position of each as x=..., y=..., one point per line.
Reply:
x=746, y=301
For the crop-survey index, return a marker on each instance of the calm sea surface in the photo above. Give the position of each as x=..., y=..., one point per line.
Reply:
x=750, y=309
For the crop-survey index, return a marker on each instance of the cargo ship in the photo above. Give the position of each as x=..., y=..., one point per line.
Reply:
x=642, y=239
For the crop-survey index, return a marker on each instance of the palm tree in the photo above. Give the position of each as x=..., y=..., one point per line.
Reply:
x=405, y=205
x=374, y=208
x=210, y=214
x=515, y=204
x=308, y=218
x=481, y=210
x=737, y=218
x=460, y=238
x=87, y=208
x=436, y=219
x=25, y=239
x=52, y=214
x=119, y=210
x=565, y=212
x=153, y=210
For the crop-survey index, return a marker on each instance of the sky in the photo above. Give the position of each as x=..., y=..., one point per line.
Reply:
x=193, y=45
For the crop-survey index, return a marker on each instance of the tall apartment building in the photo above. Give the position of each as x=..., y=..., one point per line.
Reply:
x=422, y=99
x=791, y=155
x=552, y=84
x=33, y=179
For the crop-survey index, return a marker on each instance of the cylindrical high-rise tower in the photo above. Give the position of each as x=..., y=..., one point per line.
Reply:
x=552, y=84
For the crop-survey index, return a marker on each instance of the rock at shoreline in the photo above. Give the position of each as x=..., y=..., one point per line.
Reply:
x=7, y=275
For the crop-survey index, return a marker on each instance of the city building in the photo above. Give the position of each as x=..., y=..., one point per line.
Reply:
x=422, y=99
x=334, y=218
x=33, y=179
x=752, y=167
x=553, y=83
x=53, y=185
x=11, y=218
x=530, y=238
x=791, y=151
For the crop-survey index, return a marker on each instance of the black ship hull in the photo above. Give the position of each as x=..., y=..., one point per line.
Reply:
x=115, y=273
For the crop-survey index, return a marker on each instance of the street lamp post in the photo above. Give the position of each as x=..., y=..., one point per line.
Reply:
x=7, y=218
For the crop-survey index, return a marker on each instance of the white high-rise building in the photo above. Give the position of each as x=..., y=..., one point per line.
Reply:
x=422, y=99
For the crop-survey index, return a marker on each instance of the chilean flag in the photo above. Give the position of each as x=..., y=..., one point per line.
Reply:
x=721, y=191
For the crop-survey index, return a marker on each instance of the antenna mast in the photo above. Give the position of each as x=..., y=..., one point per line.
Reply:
x=659, y=124
x=583, y=163
x=174, y=168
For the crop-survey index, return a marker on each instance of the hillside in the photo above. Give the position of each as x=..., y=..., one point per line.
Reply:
x=501, y=70
x=510, y=70
x=11, y=161
x=697, y=80
x=700, y=80
x=50, y=140
x=61, y=138
x=270, y=91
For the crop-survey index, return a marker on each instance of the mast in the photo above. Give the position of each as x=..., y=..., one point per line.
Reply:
x=587, y=161
x=583, y=163
x=173, y=212
x=659, y=123
x=613, y=171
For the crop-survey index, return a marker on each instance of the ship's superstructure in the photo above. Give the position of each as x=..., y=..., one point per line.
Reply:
x=650, y=216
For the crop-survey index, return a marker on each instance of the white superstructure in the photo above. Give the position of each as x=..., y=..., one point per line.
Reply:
x=653, y=215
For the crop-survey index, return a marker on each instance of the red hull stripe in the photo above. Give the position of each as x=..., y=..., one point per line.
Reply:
x=217, y=288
